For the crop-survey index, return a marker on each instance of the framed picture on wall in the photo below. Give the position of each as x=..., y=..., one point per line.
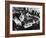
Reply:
x=24, y=18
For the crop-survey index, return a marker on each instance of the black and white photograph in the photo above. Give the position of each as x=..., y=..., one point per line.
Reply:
x=25, y=18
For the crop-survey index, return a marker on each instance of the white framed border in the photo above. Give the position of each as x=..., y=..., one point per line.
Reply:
x=25, y=31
